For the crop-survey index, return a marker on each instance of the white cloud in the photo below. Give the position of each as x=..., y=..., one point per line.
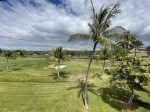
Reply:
x=47, y=25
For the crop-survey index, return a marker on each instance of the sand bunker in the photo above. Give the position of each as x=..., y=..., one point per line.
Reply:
x=56, y=67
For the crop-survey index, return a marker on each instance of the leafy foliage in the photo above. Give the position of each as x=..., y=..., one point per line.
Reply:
x=130, y=73
x=79, y=37
x=20, y=53
x=60, y=54
x=9, y=54
x=1, y=50
x=105, y=54
x=148, y=48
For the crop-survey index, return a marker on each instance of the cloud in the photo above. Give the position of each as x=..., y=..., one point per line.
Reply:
x=42, y=25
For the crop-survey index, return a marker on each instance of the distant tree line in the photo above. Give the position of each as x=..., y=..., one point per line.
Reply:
x=71, y=53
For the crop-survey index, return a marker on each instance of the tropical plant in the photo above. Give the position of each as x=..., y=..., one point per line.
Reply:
x=99, y=27
x=125, y=41
x=105, y=54
x=130, y=73
x=137, y=43
x=1, y=51
x=60, y=55
x=21, y=54
x=148, y=50
x=8, y=55
x=117, y=52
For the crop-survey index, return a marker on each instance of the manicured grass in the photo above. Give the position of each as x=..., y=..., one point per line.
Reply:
x=34, y=89
x=37, y=70
x=37, y=97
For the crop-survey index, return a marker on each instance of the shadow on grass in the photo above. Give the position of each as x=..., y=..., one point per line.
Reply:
x=142, y=103
x=117, y=97
x=63, y=75
x=81, y=89
x=16, y=69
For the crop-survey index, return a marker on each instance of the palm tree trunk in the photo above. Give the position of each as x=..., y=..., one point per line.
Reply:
x=103, y=66
x=83, y=98
x=131, y=96
x=87, y=75
x=126, y=49
x=131, y=99
x=135, y=51
x=58, y=74
x=7, y=64
x=20, y=62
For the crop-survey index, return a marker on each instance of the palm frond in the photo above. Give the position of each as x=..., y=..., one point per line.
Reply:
x=103, y=15
x=112, y=12
x=92, y=30
x=93, y=9
x=106, y=42
x=77, y=37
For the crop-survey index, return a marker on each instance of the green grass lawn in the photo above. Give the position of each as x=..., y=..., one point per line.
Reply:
x=35, y=89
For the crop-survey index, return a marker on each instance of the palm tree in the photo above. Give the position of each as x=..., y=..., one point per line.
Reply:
x=104, y=54
x=21, y=54
x=1, y=51
x=125, y=41
x=59, y=54
x=8, y=54
x=100, y=24
x=137, y=43
x=148, y=50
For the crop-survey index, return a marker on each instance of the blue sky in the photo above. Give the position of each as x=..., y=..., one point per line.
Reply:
x=46, y=24
x=56, y=2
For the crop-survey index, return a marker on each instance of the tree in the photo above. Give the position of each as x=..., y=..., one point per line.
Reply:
x=1, y=51
x=136, y=43
x=60, y=55
x=105, y=53
x=21, y=54
x=8, y=54
x=125, y=41
x=130, y=73
x=117, y=52
x=99, y=27
x=148, y=50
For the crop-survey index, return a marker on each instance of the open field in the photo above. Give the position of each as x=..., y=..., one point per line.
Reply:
x=34, y=88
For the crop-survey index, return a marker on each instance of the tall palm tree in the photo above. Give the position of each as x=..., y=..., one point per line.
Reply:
x=1, y=51
x=59, y=54
x=148, y=50
x=8, y=54
x=106, y=50
x=100, y=24
x=125, y=40
x=21, y=54
x=137, y=43
x=104, y=54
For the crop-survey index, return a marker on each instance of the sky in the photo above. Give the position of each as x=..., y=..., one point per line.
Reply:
x=46, y=24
